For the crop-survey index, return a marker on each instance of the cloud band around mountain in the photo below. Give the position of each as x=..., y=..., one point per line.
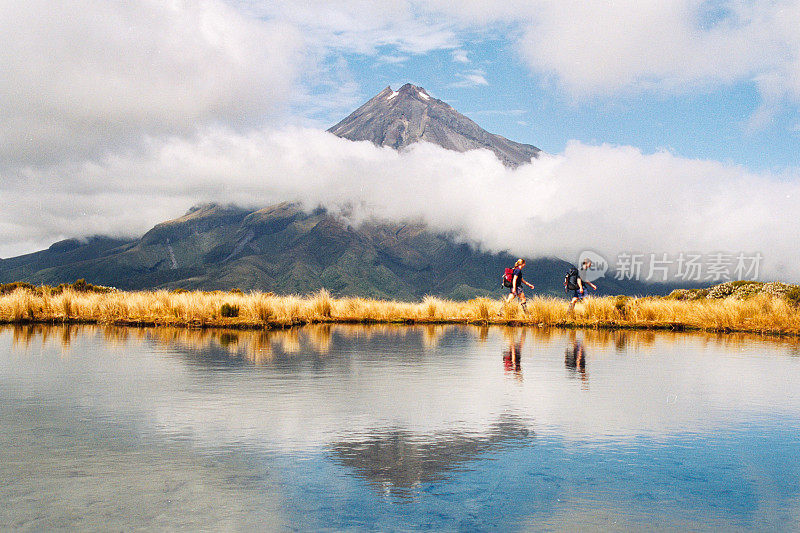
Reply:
x=606, y=198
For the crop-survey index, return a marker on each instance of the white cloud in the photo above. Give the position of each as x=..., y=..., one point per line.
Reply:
x=460, y=56
x=651, y=45
x=665, y=46
x=393, y=59
x=470, y=78
x=89, y=76
x=606, y=198
x=115, y=116
x=362, y=26
x=639, y=44
x=589, y=48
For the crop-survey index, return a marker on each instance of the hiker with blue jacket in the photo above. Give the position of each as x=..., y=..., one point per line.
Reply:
x=575, y=282
x=516, y=284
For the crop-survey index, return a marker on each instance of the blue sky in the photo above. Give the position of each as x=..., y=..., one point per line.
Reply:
x=706, y=123
x=679, y=120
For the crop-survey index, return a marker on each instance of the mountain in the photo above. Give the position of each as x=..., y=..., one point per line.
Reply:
x=63, y=256
x=284, y=249
x=408, y=115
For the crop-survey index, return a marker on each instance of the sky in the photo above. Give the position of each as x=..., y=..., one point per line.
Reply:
x=668, y=127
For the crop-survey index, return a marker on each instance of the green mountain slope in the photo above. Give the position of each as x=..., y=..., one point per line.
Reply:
x=286, y=250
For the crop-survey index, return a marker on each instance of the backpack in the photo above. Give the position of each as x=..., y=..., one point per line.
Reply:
x=508, y=277
x=571, y=280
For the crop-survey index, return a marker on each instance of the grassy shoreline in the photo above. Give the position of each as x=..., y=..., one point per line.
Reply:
x=761, y=313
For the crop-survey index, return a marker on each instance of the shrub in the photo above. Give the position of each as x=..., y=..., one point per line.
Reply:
x=742, y=282
x=11, y=287
x=229, y=311
x=264, y=310
x=323, y=306
x=430, y=306
x=82, y=286
x=687, y=294
x=776, y=288
x=747, y=289
x=482, y=308
x=723, y=290
x=621, y=305
x=793, y=296
x=679, y=294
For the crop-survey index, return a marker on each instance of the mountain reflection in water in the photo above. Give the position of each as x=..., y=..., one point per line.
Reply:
x=397, y=460
x=394, y=427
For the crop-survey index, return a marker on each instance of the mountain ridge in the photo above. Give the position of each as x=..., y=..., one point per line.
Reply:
x=287, y=250
x=400, y=118
x=283, y=249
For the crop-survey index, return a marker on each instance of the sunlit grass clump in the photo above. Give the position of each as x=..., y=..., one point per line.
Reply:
x=761, y=312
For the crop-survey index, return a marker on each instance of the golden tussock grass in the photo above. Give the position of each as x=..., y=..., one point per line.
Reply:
x=761, y=313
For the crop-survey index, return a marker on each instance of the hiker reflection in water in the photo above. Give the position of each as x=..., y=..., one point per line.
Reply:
x=575, y=360
x=512, y=358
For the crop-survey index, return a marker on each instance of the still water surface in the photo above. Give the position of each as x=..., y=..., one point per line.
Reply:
x=397, y=428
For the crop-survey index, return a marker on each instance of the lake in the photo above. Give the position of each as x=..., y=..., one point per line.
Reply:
x=397, y=428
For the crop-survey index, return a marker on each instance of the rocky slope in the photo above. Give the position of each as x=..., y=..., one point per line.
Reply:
x=408, y=115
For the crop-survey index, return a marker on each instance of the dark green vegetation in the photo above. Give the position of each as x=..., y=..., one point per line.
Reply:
x=229, y=310
x=79, y=286
x=288, y=251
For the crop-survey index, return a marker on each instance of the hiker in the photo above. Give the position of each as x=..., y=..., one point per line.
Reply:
x=516, y=284
x=575, y=282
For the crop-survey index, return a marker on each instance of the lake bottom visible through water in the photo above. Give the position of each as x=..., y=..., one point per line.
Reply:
x=397, y=428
